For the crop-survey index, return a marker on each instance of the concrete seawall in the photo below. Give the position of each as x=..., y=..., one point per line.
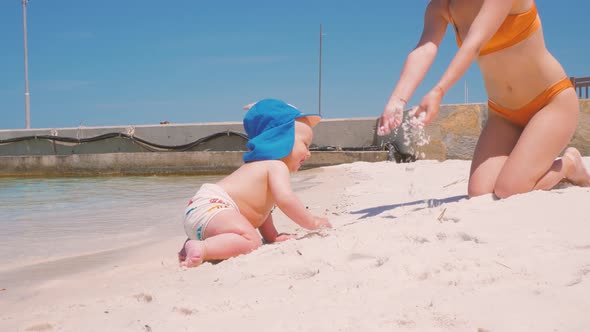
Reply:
x=39, y=155
x=177, y=148
x=152, y=163
x=454, y=134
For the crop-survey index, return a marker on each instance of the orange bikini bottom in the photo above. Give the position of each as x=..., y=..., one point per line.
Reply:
x=523, y=115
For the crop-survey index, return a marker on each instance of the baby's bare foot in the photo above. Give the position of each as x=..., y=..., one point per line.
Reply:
x=182, y=252
x=578, y=174
x=181, y=255
x=192, y=254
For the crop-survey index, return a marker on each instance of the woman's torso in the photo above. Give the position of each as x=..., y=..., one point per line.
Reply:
x=516, y=74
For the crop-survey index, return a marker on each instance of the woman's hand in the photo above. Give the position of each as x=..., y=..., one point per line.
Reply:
x=392, y=116
x=428, y=108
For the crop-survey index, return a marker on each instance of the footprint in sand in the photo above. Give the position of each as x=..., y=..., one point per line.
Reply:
x=184, y=311
x=40, y=327
x=405, y=323
x=417, y=239
x=579, y=277
x=305, y=274
x=467, y=237
x=443, y=217
x=447, y=320
x=142, y=297
x=420, y=272
x=451, y=219
x=372, y=260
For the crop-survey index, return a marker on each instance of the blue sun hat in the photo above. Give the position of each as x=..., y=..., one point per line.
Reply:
x=270, y=126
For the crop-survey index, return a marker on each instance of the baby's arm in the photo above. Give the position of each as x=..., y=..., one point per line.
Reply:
x=270, y=234
x=280, y=187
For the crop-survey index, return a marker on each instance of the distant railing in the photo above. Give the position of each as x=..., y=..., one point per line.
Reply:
x=581, y=83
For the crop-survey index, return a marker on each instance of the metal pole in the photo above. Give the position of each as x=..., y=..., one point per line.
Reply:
x=320, y=78
x=466, y=93
x=27, y=99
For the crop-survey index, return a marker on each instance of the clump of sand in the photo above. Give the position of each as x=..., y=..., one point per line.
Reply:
x=412, y=134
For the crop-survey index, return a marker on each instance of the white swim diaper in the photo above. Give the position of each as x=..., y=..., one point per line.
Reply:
x=206, y=204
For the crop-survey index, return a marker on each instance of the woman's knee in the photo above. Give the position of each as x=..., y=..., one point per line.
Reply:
x=478, y=188
x=474, y=192
x=503, y=187
x=503, y=192
x=506, y=187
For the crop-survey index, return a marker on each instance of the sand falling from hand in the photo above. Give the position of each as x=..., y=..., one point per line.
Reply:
x=412, y=133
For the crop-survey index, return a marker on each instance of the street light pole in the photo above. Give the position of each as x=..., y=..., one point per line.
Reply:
x=320, y=78
x=27, y=99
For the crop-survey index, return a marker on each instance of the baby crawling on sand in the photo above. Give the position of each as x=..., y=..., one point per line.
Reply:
x=222, y=219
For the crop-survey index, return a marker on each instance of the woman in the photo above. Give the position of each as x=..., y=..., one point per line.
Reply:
x=533, y=108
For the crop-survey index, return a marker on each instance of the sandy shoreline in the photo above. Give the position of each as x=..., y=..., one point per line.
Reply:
x=408, y=252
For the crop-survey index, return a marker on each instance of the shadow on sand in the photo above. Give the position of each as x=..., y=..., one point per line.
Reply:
x=430, y=203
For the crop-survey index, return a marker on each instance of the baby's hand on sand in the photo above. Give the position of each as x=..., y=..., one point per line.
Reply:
x=321, y=222
x=284, y=237
x=392, y=116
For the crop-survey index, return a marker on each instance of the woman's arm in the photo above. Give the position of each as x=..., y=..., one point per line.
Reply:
x=421, y=58
x=486, y=23
x=489, y=19
x=417, y=64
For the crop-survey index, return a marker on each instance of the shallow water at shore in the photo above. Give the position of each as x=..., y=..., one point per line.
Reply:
x=48, y=219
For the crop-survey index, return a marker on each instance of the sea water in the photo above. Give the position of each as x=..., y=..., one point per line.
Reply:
x=48, y=219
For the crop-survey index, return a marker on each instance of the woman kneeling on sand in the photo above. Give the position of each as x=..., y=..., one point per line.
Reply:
x=533, y=108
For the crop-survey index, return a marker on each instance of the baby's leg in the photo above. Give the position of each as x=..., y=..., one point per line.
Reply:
x=228, y=234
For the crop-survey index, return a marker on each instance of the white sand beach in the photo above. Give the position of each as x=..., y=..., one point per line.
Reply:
x=408, y=252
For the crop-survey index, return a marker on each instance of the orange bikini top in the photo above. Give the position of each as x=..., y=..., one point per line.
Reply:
x=516, y=28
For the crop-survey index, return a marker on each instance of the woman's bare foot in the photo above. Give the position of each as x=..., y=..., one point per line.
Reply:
x=192, y=253
x=578, y=174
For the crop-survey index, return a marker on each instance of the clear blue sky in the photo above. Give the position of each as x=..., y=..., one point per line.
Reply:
x=132, y=62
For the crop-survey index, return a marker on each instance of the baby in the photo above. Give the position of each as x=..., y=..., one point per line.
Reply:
x=222, y=218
